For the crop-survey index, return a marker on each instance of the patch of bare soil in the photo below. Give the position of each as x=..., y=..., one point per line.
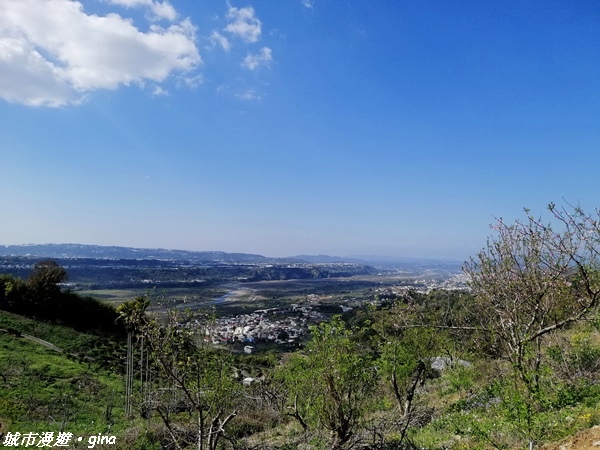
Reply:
x=588, y=439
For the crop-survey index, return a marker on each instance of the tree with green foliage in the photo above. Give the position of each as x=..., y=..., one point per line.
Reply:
x=12, y=293
x=46, y=276
x=44, y=289
x=405, y=364
x=133, y=312
x=330, y=385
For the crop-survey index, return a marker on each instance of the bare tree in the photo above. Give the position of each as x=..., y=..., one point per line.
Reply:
x=196, y=394
x=533, y=279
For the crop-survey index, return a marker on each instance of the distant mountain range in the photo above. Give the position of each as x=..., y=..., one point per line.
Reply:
x=114, y=252
x=200, y=257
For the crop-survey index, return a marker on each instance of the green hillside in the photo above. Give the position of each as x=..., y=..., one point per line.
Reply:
x=45, y=390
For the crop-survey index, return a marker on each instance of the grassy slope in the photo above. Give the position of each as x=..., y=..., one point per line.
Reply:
x=45, y=390
x=63, y=337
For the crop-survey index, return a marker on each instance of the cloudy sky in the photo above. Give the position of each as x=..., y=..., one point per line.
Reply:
x=294, y=126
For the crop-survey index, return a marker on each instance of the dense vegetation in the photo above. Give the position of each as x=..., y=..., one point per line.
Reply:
x=41, y=297
x=514, y=360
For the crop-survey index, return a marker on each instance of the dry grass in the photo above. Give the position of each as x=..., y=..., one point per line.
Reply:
x=588, y=439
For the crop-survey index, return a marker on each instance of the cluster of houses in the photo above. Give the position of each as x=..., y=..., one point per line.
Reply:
x=279, y=325
x=453, y=283
x=424, y=286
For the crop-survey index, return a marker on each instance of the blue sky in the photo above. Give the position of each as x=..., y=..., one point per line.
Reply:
x=397, y=128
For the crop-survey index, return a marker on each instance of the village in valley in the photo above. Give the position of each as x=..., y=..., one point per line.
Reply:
x=283, y=326
x=258, y=303
x=286, y=326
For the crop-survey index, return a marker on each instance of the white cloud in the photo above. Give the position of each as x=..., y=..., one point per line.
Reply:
x=264, y=57
x=308, y=4
x=217, y=38
x=192, y=82
x=161, y=10
x=248, y=95
x=164, y=10
x=244, y=24
x=159, y=92
x=26, y=77
x=52, y=52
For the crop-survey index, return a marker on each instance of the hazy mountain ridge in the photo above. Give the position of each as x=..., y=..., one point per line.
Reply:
x=117, y=252
x=207, y=257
